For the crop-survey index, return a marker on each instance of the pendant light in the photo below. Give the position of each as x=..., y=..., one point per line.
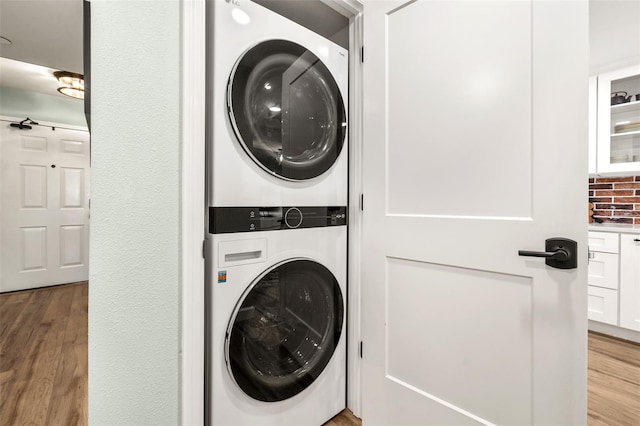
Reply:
x=70, y=84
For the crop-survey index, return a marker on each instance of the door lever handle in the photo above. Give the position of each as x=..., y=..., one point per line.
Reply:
x=559, y=253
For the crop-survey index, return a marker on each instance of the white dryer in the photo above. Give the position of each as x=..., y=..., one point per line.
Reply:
x=276, y=319
x=277, y=110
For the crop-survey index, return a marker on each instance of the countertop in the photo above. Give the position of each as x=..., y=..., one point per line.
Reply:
x=615, y=227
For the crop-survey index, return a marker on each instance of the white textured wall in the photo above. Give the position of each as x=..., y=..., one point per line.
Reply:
x=134, y=290
x=614, y=34
x=41, y=107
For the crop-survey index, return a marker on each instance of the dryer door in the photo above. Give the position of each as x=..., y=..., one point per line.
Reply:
x=286, y=110
x=284, y=330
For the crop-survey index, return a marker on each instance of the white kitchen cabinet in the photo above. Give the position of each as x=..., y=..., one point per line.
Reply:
x=603, y=305
x=630, y=281
x=618, y=126
x=614, y=282
x=603, y=242
x=603, y=277
x=603, y=270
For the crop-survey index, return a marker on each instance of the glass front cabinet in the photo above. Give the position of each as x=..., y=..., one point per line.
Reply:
x=618, y=121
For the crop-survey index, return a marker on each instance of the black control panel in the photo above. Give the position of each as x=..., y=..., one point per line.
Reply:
x=224, y=220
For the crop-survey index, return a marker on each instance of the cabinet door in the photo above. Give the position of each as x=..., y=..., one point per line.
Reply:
x=619, y=121
x=603, y=270
x=603, y=305
x=630, y=281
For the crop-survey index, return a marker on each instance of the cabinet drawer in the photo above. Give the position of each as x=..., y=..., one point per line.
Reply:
x=606, y=242
x=603, y=305
x=603, y=270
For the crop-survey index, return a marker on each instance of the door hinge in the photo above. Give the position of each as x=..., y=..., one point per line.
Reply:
x=362, y=202
x=362, y=54
x=360, y=349
x=204, y=249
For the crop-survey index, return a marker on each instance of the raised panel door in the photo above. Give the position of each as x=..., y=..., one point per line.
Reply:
x=45, y=198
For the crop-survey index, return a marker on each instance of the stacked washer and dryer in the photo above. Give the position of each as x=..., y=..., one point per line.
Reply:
x=277, y=216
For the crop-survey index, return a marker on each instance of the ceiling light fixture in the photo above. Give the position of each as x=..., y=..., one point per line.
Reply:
x=70, y=84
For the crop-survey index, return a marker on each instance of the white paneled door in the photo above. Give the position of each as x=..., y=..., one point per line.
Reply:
x=475, y=147
x=45, y=206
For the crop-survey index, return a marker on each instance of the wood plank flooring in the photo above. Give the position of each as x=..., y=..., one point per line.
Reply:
x=613, y=382
x=345, y=418
x=43, y=356
x=43, y=364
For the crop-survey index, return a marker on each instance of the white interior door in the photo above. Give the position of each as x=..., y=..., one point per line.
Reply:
x=475, y=147
x=45, y=206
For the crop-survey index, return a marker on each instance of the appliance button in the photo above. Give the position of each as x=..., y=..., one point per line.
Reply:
x=293, y=217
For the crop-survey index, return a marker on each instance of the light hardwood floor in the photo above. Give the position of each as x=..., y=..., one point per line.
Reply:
x=345, y=418
x=43, y=364
x=43, y=356
x=614, y=382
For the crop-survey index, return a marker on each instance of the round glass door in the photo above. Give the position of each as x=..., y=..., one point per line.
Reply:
x=286, y=110
x=284, y=330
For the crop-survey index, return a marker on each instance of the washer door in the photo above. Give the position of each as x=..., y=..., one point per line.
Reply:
x=286, y=110
x=284, y=330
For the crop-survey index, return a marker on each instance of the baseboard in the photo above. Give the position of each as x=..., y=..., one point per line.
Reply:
x=612, y=330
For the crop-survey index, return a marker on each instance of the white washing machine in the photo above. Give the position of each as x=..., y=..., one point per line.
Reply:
x=277, y=319
x=277, y=110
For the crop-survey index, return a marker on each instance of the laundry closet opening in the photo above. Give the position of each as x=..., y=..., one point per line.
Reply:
x=277, y=218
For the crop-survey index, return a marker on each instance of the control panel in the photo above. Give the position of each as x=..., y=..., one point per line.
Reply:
x=224, y=220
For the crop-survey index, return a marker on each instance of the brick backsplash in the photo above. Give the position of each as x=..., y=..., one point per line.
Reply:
x=615, y=199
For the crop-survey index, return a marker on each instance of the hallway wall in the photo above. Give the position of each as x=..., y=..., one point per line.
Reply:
x=40, y=107
x=134, y=286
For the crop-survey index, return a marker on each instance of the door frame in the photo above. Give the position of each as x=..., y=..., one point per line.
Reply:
x=192, y=213
x=193, y=206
